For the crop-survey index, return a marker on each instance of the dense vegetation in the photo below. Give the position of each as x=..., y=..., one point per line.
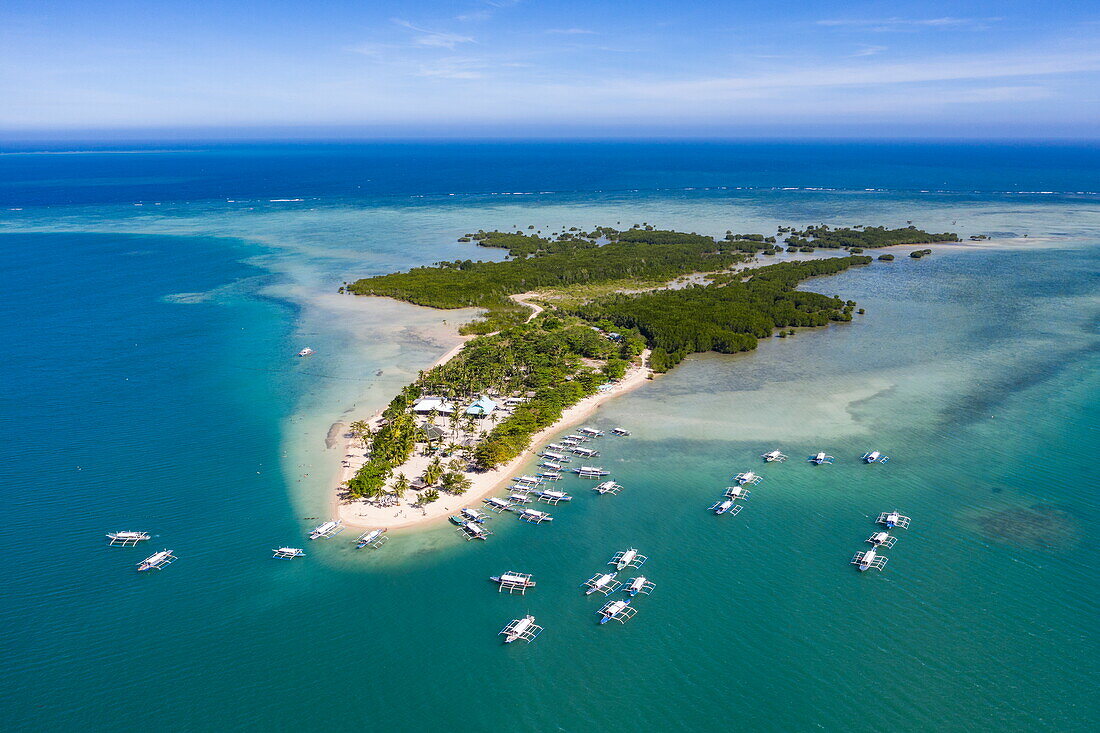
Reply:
x=823, y=236
x=727, y=316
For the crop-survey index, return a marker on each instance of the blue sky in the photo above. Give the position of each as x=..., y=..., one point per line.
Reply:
x=538, y=68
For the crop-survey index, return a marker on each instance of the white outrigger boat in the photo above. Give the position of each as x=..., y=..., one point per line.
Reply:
x=773, y=456
x=474, y=515
x=551, y=465
x=591, y=472
x=640, y=585
x=126, y=538
x=288, y=553
x=555, y=446
x=525, y=479
x=550, y=475
x=551, y=496
x=156, y=561
x=586, y=452
x=474, y=531
x=819, y=458
x=590, y=432
x=326, y=530
x=737, y=492
x=555, y=457
x=576, y=438
x=373, y=539
x=621, y=432
x=497, y=504
x=306, y=352
x=601, y=583
x=748, y=478
x=607, y=487
x=620, y=611
x=627, y=559
x=520, y=628
x=726, y=507
x=893, y=519
x=534, y=516
x=874, y=457
x=882, y=539
x=869, y=559
x=518, y=497
x=512, y=582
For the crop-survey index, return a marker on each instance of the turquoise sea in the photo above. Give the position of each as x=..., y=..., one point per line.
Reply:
x=155, y=296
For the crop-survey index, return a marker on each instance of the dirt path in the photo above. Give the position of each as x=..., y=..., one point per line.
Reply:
x=522, y=300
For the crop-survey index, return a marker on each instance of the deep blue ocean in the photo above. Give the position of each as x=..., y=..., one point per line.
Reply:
x=155, y=296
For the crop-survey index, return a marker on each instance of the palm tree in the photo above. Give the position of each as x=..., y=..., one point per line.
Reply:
x=456, y=483
x=360, y=430
x=433, y=472
x=400, y=486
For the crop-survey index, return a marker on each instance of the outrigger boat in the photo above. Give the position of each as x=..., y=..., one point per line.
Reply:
x=474, y=531
x=550, y=476
x=774, y=456
x=882, y=539
x=586, y=452
x=497, y=504
x=627, y=559
x=457, y=519
x=156, y=561
x=591, y=472
x=555, y=446
x=621, y=432
x=372, y=539
x=874, y=457
x=620, y=611
x=550, y=496
x=520, y=628
x=551, y=465
x=869, y=559
x=819, y=458
x=607, y=487
x=326, y=530
x=127, y=538
x=518, y=497
x=555, y=457
x=474, y=515
x=737, y=492
x=528, y=480
x=288, y=553
x=306, y=352
x=640, y=585
x=512, y=582
x=602, y=583
x=893, y=519
x=534, y=516
x=748, y=479
x=726, y=507
x=577, y=438
x=590, y=432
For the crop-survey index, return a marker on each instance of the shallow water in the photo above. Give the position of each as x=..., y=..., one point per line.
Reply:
x=152, y=385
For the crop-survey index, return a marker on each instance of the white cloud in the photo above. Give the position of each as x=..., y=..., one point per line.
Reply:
x=869, y=51
x=572, y=31
x=908, y=24
x=433, y=39
x=454, y=68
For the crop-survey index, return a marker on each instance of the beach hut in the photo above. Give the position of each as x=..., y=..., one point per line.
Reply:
x=426, y=405
x=482, y=407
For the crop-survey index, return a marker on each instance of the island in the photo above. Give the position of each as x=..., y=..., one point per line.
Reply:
x=567, y=321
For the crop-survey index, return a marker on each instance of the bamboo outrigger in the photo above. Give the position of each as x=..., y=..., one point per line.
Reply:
x=534, y=516
x=726, y=507
x=288, y=553
x=640, y=585
x=774, y=456
x=737, y=492
x=513, y=582
x=372, y=539
x=869, y=559
x=524, y=629
x=602, y=583
x=551, y=496
x=627, y=559
x=327, y=529
x=496, y=504
x=748, y=478
x=882, y=539
x=607, y=487
x=126, y=538
x=620, y=611
x=474, y=531
x=893, y=519
x=157, y=561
